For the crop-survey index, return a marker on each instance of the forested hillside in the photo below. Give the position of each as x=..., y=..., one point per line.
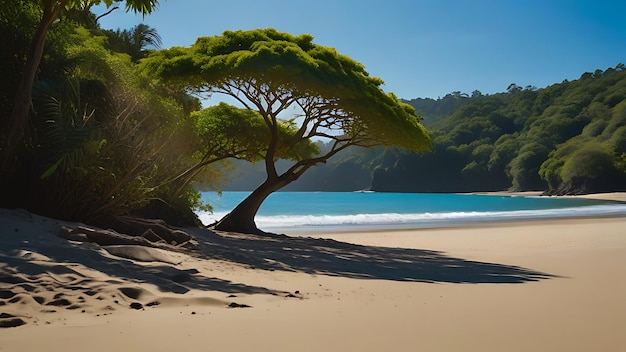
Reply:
x=567, y=138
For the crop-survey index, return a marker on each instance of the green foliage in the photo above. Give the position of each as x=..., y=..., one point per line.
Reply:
x=269, y=72
x=538, y=139
x=107, y=140
x=134, y=42
x=228, y=131
x=17, y=23
x=18, y=20
x=524, y=167
x=273, y=70
x=582, y=164
x=529, y=135
x=136, y=6
x=617, y=141
x=591, y=161
x=434, y=110
x=517, y=140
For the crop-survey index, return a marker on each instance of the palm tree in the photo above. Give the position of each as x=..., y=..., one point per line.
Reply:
x=135, y=41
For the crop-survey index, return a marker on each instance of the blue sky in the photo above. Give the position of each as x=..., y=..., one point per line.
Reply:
x=422, y=48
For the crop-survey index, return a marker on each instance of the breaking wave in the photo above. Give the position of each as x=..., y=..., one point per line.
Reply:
x=418, y=220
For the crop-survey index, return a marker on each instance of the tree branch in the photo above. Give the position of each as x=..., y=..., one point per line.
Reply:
x=107, y=13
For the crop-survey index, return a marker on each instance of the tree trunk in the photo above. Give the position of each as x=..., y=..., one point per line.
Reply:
x=241, y=219
x=18, y=120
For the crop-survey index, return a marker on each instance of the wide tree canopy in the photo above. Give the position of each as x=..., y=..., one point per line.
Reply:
x=289, y=79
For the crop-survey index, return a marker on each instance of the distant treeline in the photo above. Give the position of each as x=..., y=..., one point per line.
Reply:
x=567, y=138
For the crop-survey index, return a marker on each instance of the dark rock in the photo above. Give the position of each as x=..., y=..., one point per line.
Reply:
x=151, y=236
x=175, y=216
x=101, y=237
x=237, y=305
x=152, y=229
x=136, y=305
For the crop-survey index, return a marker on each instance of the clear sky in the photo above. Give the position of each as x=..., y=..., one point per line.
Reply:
x=422, y=48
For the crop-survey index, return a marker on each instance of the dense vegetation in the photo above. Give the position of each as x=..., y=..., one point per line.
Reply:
x=97, y=123
x=102, y=139
x=270, y=73
x=567, y=138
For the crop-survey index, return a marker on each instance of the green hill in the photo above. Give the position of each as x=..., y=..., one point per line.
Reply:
x=568, y=138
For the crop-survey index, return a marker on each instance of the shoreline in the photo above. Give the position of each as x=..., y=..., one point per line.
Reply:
x=500, y=223
x=606, y=205
x=611, y=196
x=617, y=197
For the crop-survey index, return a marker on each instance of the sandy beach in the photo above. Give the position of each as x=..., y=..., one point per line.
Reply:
x=550, y=285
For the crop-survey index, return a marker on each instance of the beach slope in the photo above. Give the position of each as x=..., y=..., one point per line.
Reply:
x=554, y=285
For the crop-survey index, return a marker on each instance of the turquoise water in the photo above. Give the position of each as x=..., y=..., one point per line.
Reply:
x=365, y=210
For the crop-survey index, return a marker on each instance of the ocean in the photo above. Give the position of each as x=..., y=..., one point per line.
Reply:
x=345, y=211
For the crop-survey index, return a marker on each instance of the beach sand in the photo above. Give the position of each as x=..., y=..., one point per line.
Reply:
x=556, y=285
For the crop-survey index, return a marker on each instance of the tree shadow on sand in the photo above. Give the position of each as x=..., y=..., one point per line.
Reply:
x=268, y=252
x=16, y=267
x=334, y=258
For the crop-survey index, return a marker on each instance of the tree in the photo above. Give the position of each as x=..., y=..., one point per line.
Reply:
x=524, y=168
x=225, y=131
x=51, y=11
x=134, y=41
x=512, y=88
x=108, y=140
x=476, y=93
x=333, y=97
x=583, y=165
